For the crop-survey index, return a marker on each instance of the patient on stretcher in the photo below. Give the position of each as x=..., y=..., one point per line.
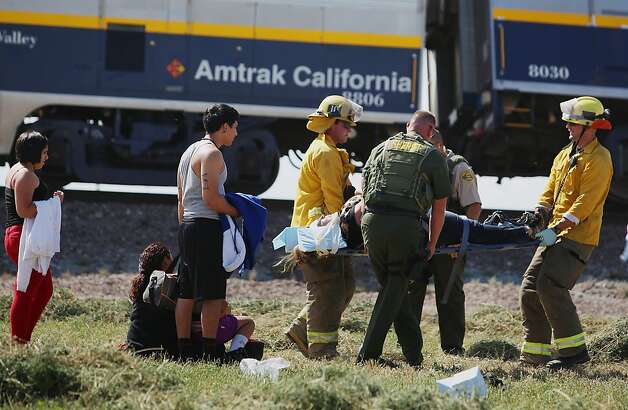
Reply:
x=495, y=230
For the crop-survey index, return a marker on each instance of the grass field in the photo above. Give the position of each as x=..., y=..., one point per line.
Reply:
x=73, y=363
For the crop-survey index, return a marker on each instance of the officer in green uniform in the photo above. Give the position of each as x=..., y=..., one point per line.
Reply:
x=403, y=177
x=464, y=200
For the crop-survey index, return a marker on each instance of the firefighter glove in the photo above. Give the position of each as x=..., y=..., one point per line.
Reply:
x=547, y=237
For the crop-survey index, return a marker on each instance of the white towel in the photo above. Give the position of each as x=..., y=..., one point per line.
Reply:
x=40, y=240
x=312, y=238
x=233, y=247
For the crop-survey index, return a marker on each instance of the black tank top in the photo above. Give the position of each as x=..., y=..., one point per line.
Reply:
x=41, y=193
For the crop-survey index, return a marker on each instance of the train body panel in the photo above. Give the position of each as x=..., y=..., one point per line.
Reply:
x=99, y=61
x=537, y=54
x=253, y=72
x=569, y=52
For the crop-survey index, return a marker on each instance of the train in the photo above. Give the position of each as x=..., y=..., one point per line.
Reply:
x=118, y=85
x=500, y=69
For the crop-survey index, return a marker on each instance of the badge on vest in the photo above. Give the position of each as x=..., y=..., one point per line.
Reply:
x=407, y=146
x=467, y=175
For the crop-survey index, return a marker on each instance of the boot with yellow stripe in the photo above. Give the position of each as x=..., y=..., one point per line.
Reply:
x=297, y=334
x=566, y=347
x=535, y=354
x=322, y=344
x=568, y=362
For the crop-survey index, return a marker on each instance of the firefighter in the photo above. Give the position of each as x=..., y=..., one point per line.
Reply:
x=464, y=200
x=403, y=177
x=574, y=198
x=323, y=181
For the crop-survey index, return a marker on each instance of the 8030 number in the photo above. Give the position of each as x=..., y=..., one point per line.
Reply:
x=551, y=72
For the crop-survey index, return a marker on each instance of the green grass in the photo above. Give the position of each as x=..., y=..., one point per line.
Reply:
x=73, y=363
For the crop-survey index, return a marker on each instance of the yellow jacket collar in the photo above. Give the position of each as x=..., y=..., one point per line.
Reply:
x=587, y=149
x=326, y=139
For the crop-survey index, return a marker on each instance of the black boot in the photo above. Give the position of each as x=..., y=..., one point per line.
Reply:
x=254, y=349
x=454, y=350
x=212, y=351
x=187, y=349
x=567, y=362
x=377, y=361
x=235, y=356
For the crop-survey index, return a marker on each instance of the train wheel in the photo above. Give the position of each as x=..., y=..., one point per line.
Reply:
x=252, y=162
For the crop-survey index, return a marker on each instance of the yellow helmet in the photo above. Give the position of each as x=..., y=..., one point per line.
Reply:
x=338, y=107
x=587, y=111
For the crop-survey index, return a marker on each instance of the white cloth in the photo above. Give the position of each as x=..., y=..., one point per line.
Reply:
x=312, y=238
x=40, y=240
x=233, y=246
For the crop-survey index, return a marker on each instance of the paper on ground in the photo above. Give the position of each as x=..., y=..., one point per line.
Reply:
x=266, y=368
x=467, y=383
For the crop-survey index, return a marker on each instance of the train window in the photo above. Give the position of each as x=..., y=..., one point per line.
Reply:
x=125, y=47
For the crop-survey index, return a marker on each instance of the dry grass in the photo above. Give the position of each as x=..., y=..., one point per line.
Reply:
x=73, y=363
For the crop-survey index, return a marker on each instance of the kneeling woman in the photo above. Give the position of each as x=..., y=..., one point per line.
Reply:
x=153, y=330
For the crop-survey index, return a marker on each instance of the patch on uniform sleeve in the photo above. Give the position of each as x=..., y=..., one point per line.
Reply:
x=467, y=175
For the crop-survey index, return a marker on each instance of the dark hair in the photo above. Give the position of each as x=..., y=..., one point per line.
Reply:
x=29, y=146
x=437, y=137
x=217, y=115
x=151, y=259
x=353, y=233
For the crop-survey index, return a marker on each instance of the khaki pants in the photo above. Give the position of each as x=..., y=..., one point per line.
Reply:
x=546, y=304
x=330, y=286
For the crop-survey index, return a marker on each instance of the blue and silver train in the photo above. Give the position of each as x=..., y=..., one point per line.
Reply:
x=118, y=85
x=503, y=66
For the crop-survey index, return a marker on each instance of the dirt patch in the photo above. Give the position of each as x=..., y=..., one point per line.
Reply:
x=592, y=297
x=107, y=237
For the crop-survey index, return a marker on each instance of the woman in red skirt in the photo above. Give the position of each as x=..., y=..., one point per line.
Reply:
x=22, y=188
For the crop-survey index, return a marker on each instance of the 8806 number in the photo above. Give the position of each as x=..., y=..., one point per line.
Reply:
x=365, y=98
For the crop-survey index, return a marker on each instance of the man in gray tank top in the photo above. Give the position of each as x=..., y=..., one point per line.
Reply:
x=200, y=182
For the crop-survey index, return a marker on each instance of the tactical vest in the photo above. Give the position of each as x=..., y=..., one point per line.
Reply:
x=397, y=181
x=453, y=204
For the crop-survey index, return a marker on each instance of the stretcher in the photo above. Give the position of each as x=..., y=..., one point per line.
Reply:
x=290, y=238
x=464, y=246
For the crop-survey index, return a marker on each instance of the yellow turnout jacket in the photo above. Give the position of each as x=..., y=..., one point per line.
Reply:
x=581, y=199
x=322, y=179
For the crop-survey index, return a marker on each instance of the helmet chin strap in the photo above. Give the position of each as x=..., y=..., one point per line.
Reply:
x=572, y=160
x=574, y=146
